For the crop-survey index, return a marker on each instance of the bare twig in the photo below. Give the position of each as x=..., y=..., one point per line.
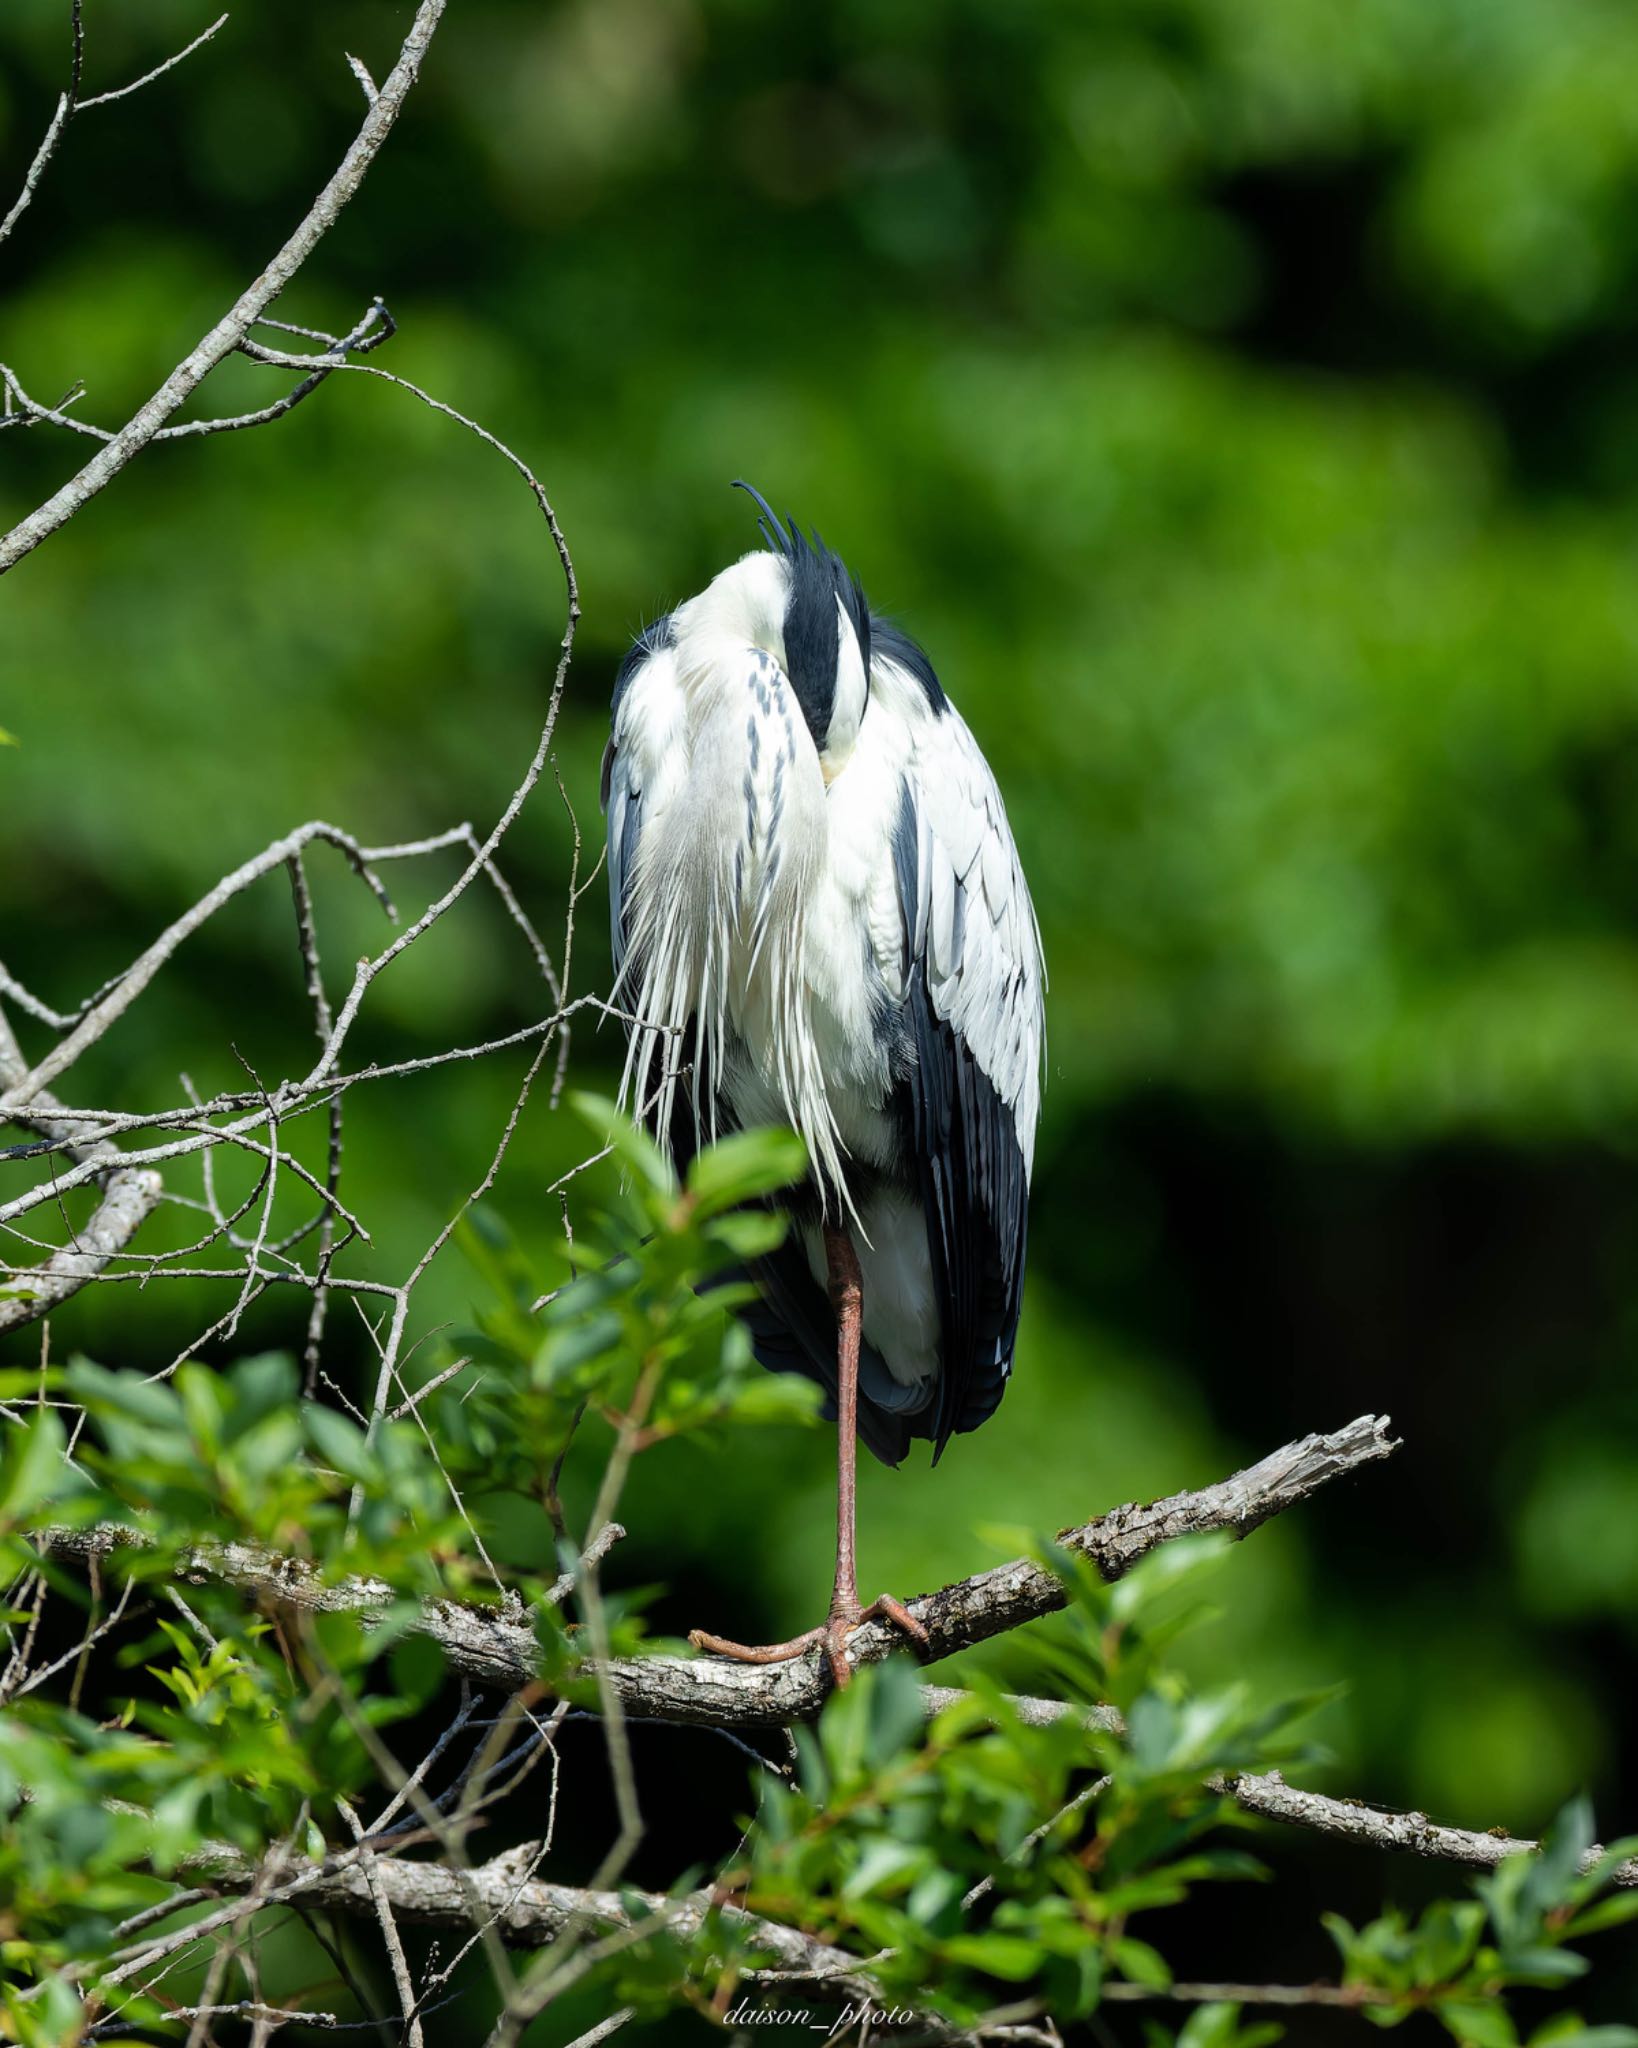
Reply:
x=405, y=1984
x=376, y=326
x=103, y=99
x=361, y=71
x=1341, y=1997
x=251, y=304
x=36, y=170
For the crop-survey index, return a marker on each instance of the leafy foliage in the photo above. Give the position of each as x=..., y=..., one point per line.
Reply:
x=243, y=1730
x=641, y=1332
x=1073, y=1829
x=980, y=1852
x=979, y=1863
x=1456, y=1959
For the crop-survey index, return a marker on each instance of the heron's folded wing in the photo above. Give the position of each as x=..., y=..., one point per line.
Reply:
x=627, y=769
x=973, y=1024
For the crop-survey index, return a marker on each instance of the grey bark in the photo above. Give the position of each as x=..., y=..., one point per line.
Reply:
x=496, y=1647
x=129, y=1196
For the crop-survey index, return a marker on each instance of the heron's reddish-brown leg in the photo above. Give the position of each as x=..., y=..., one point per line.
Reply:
x=847, y=1297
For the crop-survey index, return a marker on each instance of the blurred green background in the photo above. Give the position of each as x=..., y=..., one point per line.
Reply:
x=1241, y=402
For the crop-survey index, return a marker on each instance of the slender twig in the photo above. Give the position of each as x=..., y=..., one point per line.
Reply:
x=413, y=2033
x=103, y=99
x=251, y=304
x=129, y=1195
x=1344, y=1997
x=376, y=326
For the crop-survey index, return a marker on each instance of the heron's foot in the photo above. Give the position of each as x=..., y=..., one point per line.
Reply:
x=843, y=1619
x=755, y=1653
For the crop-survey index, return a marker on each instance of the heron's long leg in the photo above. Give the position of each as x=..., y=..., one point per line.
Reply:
x=847, y=1298
x=846, y=1613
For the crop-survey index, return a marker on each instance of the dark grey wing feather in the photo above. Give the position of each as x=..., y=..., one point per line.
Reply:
x=975, y=1191
x=621, y=789
x=623, y=806
x=973, y=1028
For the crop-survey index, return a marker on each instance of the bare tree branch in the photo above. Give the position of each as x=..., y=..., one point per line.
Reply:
x=381, y=1899
x=124, y=991
x=1339, y=1997
x=376, y=326
x=717, y=1690
x=252, y=303
x=103, y=99
x=1378, y=1828
x=530, y=1913
x=36, y=170
x=496, y=1648
x=60, y=119
x=129, y=1196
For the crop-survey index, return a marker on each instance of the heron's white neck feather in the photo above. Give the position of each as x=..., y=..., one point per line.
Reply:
x=720, y=891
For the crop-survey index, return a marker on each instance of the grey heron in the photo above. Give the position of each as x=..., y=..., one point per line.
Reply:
x=819, y=919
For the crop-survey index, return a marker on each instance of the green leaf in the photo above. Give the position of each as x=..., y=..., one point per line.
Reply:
x=1540, y=1965
x=1218, y=2026
x=1554, y=1869
x=260, y=1387
x=1614, y=1911
x=883, y=1861
x=1578, y=2036
x=1565, y=2030
x=997, y=1955
x=750, y=1233
x=338, y=1441
x=1142, y=1964
x=1478, y=2026
x=634, y=1148
x=32, y=1467
x=897, y=1715
x=101, y=1392
x=740, y=1168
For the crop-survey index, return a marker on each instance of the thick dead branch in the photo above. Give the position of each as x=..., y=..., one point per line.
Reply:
x=497, y=1648
x=528, y=1913
x=129, y=1195
x=1378, y=1828
x=719, y=1691
x=487, y=1644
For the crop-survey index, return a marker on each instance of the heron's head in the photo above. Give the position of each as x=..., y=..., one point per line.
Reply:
x=800, y=604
